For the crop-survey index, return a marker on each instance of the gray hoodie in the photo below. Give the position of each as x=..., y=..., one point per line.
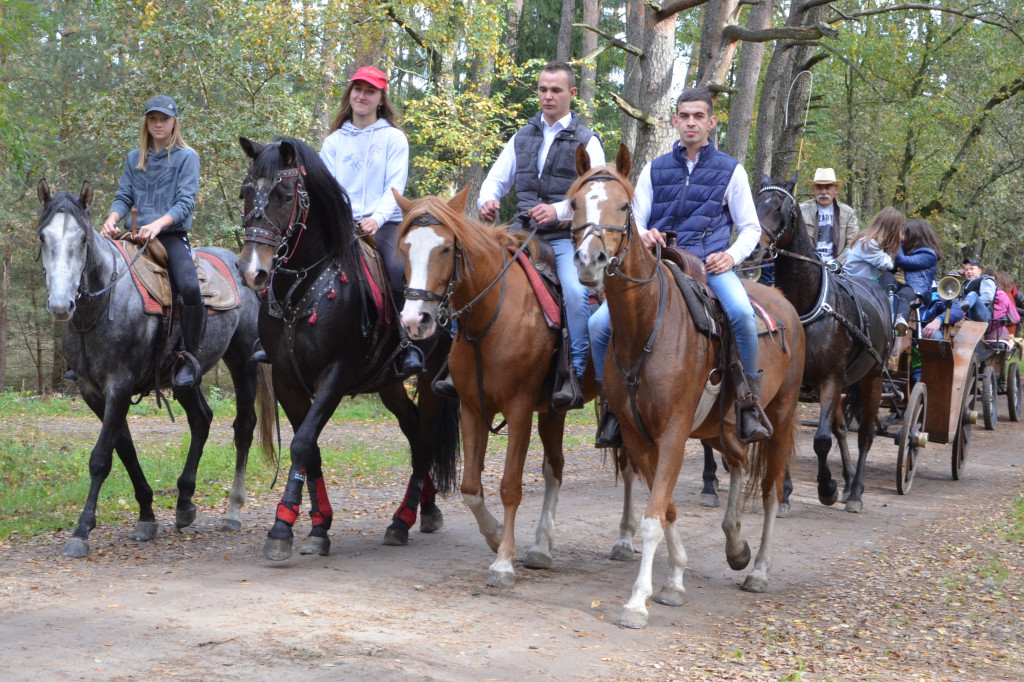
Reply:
x=168, y=186
x=368, y=162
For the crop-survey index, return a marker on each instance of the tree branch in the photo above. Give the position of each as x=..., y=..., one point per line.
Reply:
x=633, y=112
x=802, y=33
x=979, y=17
x=612, y=41
x=671, y=7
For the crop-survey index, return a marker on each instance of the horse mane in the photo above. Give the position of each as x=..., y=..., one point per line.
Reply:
x=64, y=202
x=601, y=170
x=326, y=197
x=474, y=235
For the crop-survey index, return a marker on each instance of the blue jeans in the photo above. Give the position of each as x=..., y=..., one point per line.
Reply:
x=577, y=308
x=729, y=289
x=600, y=335
x=978, y=311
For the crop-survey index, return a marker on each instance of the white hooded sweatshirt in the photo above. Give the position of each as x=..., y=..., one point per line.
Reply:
x=368, y=162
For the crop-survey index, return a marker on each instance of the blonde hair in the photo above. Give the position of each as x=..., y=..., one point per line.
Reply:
x=884, y=229
x=146, y=141
x=385, y=110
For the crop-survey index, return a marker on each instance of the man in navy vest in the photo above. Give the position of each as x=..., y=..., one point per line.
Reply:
x=701, y=193
x=540, y=161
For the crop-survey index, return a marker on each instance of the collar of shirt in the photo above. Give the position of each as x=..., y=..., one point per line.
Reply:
x=550, y=130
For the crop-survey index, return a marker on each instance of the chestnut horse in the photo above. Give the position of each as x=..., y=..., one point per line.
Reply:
x=456, y=267
x=669, y=361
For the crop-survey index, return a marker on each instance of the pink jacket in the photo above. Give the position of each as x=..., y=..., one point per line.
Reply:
x=1004, y=313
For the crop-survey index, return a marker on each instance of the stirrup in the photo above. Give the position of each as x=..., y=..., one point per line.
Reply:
x=442, y=384
x=189, y=373
x=568, y=396
x=609, y=432
x=409, y=361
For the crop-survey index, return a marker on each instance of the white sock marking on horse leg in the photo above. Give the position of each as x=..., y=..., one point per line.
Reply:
x=237, y=498
x=651, y=533
x=627, y=523
x=763, y=560
x=545, y=539
x=676, y=557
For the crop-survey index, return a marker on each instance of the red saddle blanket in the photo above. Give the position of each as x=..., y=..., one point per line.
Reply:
x=215, y=281
x=548, y=305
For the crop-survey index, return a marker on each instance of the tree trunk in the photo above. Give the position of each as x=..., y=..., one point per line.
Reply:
x=5, y=289
x=741, y=104
x=588, y=76
x=716, y=56
x=323, y=107
x=564, y=47
x=798, y=90
x=515, y=17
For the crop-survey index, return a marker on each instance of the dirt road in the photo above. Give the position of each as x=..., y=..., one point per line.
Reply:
x=915, y=587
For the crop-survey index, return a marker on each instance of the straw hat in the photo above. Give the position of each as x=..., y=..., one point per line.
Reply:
x=825, y=176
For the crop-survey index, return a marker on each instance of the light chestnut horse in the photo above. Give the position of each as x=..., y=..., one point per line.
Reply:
x=499, y=360
x=642, y=297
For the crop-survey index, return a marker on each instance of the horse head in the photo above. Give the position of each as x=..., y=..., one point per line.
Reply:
x=602, y=214
x=428, y=242
x=779, y=214
x=64, y=230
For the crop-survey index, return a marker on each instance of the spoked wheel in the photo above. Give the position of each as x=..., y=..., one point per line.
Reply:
x=912, y=438
x=964, y=428
x=989, y=391
x=1013, y=391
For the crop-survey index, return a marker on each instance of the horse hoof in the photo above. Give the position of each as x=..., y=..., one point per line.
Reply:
x=230, y=525
x=754, y=584
x=622, y=552
x=316, y=545
x=634, y=620
x=277, y=549
x=671, y=596
x=144, y=531
x=76, y=548
x=783, y=511
x=183, y=518
x=738, y=563
x=430, y=523
x=845, y=497
x=537, y=559
x=828, y=500
x=708, y=500
x=396, y=537
x=854, y=506
x=502, y=579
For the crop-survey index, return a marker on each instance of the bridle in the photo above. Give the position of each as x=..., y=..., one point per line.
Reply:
x=789, y=214
x=278, y=237
x=444, y=314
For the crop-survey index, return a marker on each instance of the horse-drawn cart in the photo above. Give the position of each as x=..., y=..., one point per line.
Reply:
x=999, y=375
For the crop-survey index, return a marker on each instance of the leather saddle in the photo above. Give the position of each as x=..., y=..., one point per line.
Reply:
x=150, y=271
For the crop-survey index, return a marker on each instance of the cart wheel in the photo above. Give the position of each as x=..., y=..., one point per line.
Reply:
x=989, y=406
x=964, y=428
x=1013, y=391
x=912, y=438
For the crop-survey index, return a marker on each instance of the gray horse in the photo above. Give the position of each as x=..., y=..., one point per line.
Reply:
x=117, y=351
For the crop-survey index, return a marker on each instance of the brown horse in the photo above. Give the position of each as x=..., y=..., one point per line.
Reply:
x=456, y=267
x=655, y=340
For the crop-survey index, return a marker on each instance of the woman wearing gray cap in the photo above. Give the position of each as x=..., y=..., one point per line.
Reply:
x=161, y=179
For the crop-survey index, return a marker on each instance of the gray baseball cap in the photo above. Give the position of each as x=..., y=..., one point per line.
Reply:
x=163, y=104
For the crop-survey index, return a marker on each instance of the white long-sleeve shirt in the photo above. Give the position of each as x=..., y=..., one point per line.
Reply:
x=502, y=175
x=737, y=197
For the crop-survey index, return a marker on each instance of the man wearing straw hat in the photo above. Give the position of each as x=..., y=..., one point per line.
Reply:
x=832, y=224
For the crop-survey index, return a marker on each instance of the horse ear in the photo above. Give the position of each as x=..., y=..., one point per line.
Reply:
x=86, y=196
x=43, y=192
x=623, y=160
x=403, y=203
x=766, y=180
x=458, y=202
x=792, y=181
x=251, y=149
x=287, y=153
x=582, y=159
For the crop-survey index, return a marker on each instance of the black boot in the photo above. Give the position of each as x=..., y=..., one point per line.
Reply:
x=751, y=422
x=193, y=320
x=568, y=396
x=609, y=434
x=70, y=375
x=258, y=354
x=409, y=360
x=442, y=384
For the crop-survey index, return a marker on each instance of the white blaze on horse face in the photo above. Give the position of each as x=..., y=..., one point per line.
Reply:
x=421, y=241
x=586, y=252
x=63, y=259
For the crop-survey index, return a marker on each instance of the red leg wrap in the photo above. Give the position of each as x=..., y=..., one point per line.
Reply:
x=429, y=491
x=321, y=512
x=287, y=514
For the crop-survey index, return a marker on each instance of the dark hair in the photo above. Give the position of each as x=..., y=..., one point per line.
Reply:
x=884, y=229
x=385, y=110
x=918, y=234
x=555, y=67
x=1003, y=281
x=696, y=95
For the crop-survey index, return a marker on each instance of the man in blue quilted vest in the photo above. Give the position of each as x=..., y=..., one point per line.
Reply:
x=701, y=193
x=540, y=161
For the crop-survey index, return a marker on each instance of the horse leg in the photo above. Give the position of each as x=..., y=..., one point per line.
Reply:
x=395, y=398
x=550, y=426
x=438, y=436
x=623, y=549
x=709, y=494
x=501, y=573
x=839, y=432
x=737, y=551
x=243, y=376
x=673, y=593
x=112, y=412
x=829, y=395
x=787, y=490
x=474, y=444
x=775, y=450
x=871, y=391
x=200, y=416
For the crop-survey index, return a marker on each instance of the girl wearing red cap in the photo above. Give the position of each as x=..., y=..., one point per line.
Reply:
x=368, y=154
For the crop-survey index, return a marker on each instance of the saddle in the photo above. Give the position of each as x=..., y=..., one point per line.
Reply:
x=377, y=279
x=538, y=262
x=215, y=281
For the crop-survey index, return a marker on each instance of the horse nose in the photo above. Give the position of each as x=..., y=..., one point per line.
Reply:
x=260, y=280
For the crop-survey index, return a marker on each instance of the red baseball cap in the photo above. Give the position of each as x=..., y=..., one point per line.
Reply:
x=371, y=75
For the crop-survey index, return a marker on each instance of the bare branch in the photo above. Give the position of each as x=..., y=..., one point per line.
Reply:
x=633, y=112
x=925, y=7
x=671, y=7
x=802, y=33
x=612, y=41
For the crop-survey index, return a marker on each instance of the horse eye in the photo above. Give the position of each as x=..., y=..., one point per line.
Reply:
x=625, y=207
x=572, y=203
x=447, y=249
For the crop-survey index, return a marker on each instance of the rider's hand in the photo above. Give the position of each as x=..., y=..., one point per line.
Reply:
x=368, y=226
x=109, y=229
x=489, y=209
x=543, y=213
x=148, y=231
x=652, y=237
x=720, y=262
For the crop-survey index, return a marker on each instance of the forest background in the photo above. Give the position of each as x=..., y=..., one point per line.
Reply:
x=915, y=104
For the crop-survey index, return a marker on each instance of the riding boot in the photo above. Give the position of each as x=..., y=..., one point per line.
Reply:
x=609, y=434
x=752, y=423
x=193, y=320
x=442, y=384
x=409, y=360
x=569, y=395
x=258, y=354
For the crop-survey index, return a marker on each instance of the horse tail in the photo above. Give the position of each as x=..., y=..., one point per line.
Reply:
x=444, y=469
x=267, y=412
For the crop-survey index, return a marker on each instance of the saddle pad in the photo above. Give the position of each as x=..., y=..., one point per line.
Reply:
x=706, y=312
x=216, y=284
x=548, y=304
x=373, y=268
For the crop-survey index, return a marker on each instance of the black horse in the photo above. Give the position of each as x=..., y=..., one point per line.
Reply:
x=848, y=326
x=330, y=333
x=118, y=350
